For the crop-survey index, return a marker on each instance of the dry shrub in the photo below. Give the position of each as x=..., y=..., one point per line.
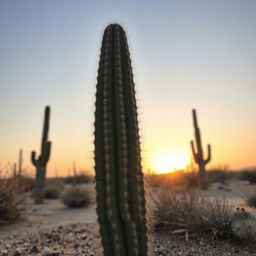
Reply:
x=77, y=197
x=12, y=197
x=82, y=177
x=53, y=188
x=244, y=225
x=180, y=211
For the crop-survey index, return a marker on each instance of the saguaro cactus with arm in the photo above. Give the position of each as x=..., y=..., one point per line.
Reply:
x=41, y=162
x=119, y=178
x=199, y=154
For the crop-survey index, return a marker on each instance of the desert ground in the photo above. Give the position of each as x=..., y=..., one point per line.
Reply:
x=54, y=229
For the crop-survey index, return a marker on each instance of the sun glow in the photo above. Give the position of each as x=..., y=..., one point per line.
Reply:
x=169, y=161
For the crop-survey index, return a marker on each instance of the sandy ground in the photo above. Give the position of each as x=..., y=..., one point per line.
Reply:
x=234, y=196
x=53, y=213
x=75, y=231
x=49, y=215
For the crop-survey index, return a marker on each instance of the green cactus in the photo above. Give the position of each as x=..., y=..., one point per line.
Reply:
x=119, y=179
x=199, y=155
x=41, y=162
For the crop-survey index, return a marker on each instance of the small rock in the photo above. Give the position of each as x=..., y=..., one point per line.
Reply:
x=34, y=249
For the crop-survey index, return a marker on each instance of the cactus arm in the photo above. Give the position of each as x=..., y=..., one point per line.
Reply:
x=45, y=128
x=208, y=159
x=33, y=158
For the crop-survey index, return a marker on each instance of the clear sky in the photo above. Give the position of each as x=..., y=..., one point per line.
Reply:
x=186, y=54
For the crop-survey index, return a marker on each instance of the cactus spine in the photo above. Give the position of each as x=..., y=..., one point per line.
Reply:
x=199, y=154
x=119, y=178
x=41, y=162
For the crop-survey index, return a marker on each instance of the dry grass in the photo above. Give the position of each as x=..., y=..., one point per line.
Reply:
x=76, y=197
x=180, y=211
x=13, y=192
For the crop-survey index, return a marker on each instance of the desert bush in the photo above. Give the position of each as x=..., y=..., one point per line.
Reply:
x=244, y=225
x=12, y=198
x=188, y=212
x=248, y=175
x=78, y=179
x=76, y=197
x=52, y=192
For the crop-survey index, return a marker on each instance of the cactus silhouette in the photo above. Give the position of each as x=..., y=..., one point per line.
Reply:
x=198, y=154
x=41, y=162
x=119, y=178
x=20, y=162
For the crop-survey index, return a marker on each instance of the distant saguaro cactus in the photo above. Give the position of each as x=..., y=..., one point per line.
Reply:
x=41, y=162
x=20, y=162
x=119, y=177
x=199, y=154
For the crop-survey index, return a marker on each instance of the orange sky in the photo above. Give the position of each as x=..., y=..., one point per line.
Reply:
x=196, y=55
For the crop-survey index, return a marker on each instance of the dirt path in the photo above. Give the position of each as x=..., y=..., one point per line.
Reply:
x=53, y=229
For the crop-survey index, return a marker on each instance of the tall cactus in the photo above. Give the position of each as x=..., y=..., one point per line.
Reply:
x=199, y=154
x=119, y=178
x=41, y=162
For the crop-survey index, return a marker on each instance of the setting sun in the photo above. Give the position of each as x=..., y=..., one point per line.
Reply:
x=169, y=161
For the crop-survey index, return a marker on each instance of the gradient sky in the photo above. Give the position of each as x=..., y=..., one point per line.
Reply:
x=186, y=54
